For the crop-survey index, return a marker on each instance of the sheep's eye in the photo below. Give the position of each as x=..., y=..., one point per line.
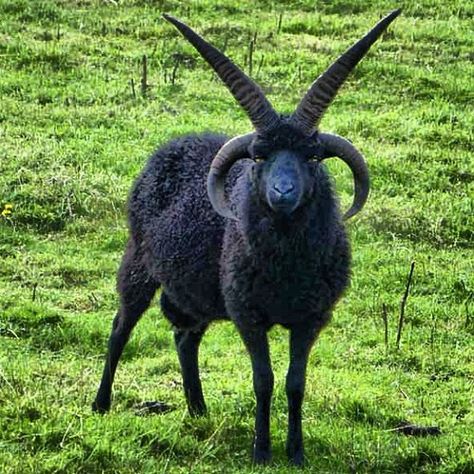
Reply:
x=259, y=159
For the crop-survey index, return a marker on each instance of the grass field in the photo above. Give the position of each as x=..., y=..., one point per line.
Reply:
x=74, y=134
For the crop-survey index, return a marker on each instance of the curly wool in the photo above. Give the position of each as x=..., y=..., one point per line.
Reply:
x=260, y=270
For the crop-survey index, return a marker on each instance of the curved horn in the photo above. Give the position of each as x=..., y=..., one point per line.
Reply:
x=321, y=93
x=233, y=150
x=246, y=92
x=334, y=145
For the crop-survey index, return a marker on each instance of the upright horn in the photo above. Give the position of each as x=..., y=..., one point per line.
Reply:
x=246, y=92
x=321, y=93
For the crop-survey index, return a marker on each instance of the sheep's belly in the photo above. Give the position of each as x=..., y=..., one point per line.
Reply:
x=193, y=288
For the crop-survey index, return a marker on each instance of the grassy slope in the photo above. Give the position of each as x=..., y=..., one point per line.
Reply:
x=72, y=138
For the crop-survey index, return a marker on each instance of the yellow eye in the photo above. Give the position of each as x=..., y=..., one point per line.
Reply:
x=259, y=159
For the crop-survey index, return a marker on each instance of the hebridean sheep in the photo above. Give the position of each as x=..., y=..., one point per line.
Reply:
x=263, y=243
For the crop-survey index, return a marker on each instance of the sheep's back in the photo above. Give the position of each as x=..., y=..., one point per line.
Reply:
x=173, y=176
x=171, y=216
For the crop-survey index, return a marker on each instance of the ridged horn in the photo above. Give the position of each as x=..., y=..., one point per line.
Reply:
x=334, y=145
x=321, y=93
x=246, y=92
x=231, y=151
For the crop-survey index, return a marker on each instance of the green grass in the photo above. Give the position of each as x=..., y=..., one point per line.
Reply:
x=72, y=139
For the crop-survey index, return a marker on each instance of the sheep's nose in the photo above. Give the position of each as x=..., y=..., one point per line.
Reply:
x=283, y=188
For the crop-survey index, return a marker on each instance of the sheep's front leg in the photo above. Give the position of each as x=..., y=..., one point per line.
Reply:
x=256, y=341
x=301, y=341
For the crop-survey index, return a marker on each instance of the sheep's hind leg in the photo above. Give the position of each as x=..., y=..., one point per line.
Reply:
x=187, y=345
x=136, y=290
x=187, y=342
x=256, y=341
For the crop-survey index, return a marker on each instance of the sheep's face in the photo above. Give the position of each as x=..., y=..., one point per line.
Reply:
x=283, y=169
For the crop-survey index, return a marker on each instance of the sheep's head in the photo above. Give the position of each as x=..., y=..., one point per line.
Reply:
x=282, y=174
x=284, y=146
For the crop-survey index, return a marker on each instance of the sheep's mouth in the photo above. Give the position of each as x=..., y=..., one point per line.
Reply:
x=284, y=204
x=282, y=208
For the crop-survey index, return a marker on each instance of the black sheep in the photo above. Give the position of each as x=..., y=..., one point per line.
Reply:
x=264, y=244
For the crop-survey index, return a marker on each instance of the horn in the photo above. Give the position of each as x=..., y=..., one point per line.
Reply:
x=231, y=151
x=334, y=145
x=246, y=92
x=321, y=93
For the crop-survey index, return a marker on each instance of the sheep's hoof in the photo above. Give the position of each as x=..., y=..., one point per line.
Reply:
x=152, y=408
x=262, y=456
x=197, y=410
x=296, y=458
x=101, y=407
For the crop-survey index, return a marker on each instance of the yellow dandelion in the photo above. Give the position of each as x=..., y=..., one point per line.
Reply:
x=7, y=210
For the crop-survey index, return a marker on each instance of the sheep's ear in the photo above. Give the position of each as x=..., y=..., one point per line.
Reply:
x=246, y=92
x=320, y=95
